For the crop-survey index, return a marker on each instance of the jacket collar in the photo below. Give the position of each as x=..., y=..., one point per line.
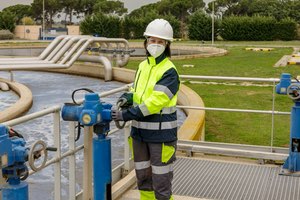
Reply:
x=154, y=61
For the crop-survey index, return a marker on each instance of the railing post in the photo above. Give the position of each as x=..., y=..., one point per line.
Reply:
x=11, y=76
x=126, y=148
x=57, y=166
x=273, y=109
x=87, y=165
x=72, y=162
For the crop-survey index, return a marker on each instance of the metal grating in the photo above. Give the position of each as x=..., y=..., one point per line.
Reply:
x=232, y=181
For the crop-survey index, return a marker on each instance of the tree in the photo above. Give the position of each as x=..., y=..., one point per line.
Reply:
x=294, y=7
x=52, y=7
x=224, y=7
x=19, y=11
x=7, y=21
x=273, y=8
x=27, y=21
x=110, y=7
x=279, y=9
x=85, y=6
x=149, y=9
x=200, y=26
x=70, y=7
x=180, y=9
x=102, y=25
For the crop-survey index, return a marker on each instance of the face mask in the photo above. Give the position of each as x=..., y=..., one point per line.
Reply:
x=155, y=50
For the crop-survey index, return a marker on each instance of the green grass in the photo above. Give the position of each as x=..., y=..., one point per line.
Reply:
x=233, y=43
x=242, y=128
x=242, y=43
x=238, y=62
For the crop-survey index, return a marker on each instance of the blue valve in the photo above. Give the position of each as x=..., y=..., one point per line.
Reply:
x=285, y=82
x=292, y=90
x=97, y=114
x=13, y=156
x=91, y=112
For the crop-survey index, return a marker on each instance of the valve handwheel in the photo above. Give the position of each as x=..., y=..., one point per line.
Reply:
x=36, y=153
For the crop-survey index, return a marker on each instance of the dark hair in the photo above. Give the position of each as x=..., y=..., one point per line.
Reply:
x=167, y=51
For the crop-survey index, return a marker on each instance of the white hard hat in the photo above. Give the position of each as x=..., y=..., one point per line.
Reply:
x=159, y=28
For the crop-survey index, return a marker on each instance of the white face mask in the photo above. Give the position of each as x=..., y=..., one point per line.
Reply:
x=155, y=50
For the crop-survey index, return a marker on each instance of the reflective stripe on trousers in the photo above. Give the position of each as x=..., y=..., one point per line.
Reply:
x=152, y=173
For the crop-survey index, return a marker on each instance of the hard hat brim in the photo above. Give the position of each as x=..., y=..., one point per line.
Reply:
x=157, y=36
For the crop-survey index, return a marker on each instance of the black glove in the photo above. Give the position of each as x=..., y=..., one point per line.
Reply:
x=125, y=100
x=116, y=114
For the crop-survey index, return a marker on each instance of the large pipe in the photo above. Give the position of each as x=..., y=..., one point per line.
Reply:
x=58, y=56
x=58, y=48
x=38, y=61
x=42, y=56
x=33, y=66
x=100, y=59
x=78, y=39
x=92, y=40
x=51, y=46
x=73, y=50
x=21, y=62
x=71, y=61
x=122, y=62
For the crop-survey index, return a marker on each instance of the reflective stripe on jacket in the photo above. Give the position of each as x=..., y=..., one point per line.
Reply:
x=155, y=89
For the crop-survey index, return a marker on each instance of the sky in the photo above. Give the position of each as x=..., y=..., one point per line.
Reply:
x=129, y=4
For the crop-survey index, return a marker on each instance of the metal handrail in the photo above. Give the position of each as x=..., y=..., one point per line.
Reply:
x=228, y=78
x=235, y=110
x=55, y=110
x=73, y=149
x=252, y=79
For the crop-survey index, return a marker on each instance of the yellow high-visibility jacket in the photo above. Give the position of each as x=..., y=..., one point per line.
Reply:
x=153, y=115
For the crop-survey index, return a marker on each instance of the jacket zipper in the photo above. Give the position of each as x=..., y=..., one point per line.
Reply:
x=160, y=116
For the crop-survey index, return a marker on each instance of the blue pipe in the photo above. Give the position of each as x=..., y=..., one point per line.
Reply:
x=102, y=167
x=15, y=191
x=15, y=153
x=293, y=161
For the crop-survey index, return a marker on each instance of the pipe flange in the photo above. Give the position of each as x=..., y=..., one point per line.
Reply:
x=293, y=91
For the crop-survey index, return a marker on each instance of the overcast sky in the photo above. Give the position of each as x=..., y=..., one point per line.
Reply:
x=129, y=4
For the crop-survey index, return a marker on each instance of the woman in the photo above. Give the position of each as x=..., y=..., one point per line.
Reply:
x=153, y=114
